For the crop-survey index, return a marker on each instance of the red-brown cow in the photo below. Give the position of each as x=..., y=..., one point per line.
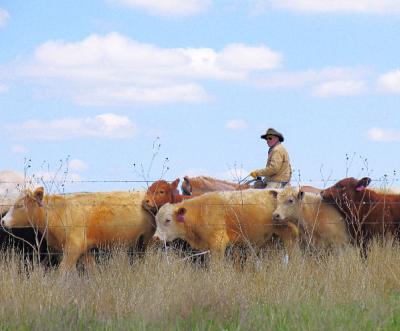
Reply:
x=161, y=192
x=368, y=213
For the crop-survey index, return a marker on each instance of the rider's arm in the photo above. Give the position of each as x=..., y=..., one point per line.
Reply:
x=274, y=164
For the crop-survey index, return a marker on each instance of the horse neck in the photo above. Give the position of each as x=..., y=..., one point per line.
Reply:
x=207, y=184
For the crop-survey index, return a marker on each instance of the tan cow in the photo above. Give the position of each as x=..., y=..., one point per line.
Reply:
x=75, y=223
x=320, y=224
x=214, y=220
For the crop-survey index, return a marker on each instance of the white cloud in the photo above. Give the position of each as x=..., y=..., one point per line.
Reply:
x=113, y=69
x=334, y=6
x=309, y=77
x=236, y=124
x=390, y=82
x=339, y=88
x=11, y=184
x=384, y=135
x=244, y=58
x=330, y=81
x=168, y=7
x=4, y=16
x=3, y=88
x=101, y=126
x=18, y=149
x=133, y=95
x=77, y=165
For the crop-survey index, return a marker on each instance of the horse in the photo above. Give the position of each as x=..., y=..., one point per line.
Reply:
x=195, y=186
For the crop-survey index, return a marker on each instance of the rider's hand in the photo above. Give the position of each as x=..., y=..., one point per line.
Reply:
x=253, y=174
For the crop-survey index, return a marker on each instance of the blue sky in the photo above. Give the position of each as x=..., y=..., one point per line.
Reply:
x=98, y=90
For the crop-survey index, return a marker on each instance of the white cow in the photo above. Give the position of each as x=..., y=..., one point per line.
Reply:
x=321, y=225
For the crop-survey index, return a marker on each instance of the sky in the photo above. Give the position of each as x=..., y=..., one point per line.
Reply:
x=100, y=95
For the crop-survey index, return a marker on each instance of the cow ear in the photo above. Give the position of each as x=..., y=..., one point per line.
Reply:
x=180, y=214
x=273, y=193
x=363, y=183
x=175, y=183
x=301, y=195
x=38, y=195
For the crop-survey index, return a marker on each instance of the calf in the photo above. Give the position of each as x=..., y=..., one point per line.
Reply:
x=73, y=224
x=321, y=225
x=368, y=213
x=214, y=220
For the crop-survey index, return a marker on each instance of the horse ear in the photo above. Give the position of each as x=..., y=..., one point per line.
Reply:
x=175, y=183
x=363, y=183
x=180, y=214
x=186, y=187
x=300, y=195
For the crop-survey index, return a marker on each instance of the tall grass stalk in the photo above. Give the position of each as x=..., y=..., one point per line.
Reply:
x=328, y=292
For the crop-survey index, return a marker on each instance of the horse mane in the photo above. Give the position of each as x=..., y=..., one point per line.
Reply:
x=206, y=181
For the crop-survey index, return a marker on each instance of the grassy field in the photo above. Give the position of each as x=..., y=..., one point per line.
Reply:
x=332, y=292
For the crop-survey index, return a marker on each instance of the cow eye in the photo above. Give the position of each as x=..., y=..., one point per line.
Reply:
x=162, y=191
x=167, y=220
x=291, y=201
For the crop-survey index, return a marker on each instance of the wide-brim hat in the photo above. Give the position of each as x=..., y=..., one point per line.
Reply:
x=273, y=132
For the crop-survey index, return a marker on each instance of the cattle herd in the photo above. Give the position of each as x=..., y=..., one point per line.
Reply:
x=210, y=215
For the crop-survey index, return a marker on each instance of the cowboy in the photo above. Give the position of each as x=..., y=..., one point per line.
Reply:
x=278, y=171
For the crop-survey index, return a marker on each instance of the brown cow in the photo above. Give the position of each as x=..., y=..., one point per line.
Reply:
x=75, y=223
x=202, y=184
x=368, y=213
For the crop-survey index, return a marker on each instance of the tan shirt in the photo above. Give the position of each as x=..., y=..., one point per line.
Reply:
x=278, y=167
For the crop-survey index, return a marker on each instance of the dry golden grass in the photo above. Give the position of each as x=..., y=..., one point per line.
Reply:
x=333, y=291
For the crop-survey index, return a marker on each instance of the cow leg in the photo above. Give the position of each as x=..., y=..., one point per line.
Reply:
x=72, y=253
x=89, y=261
x=218, y=246
x=289, y=235
x=137, y=251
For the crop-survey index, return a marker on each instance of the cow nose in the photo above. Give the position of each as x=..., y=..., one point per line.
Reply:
x=276, y=216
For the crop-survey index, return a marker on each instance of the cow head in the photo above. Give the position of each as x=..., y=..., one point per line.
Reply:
x=347, y=194
x=160, y=193
x=26, y=209
x=288, y=204
x=170, y=221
